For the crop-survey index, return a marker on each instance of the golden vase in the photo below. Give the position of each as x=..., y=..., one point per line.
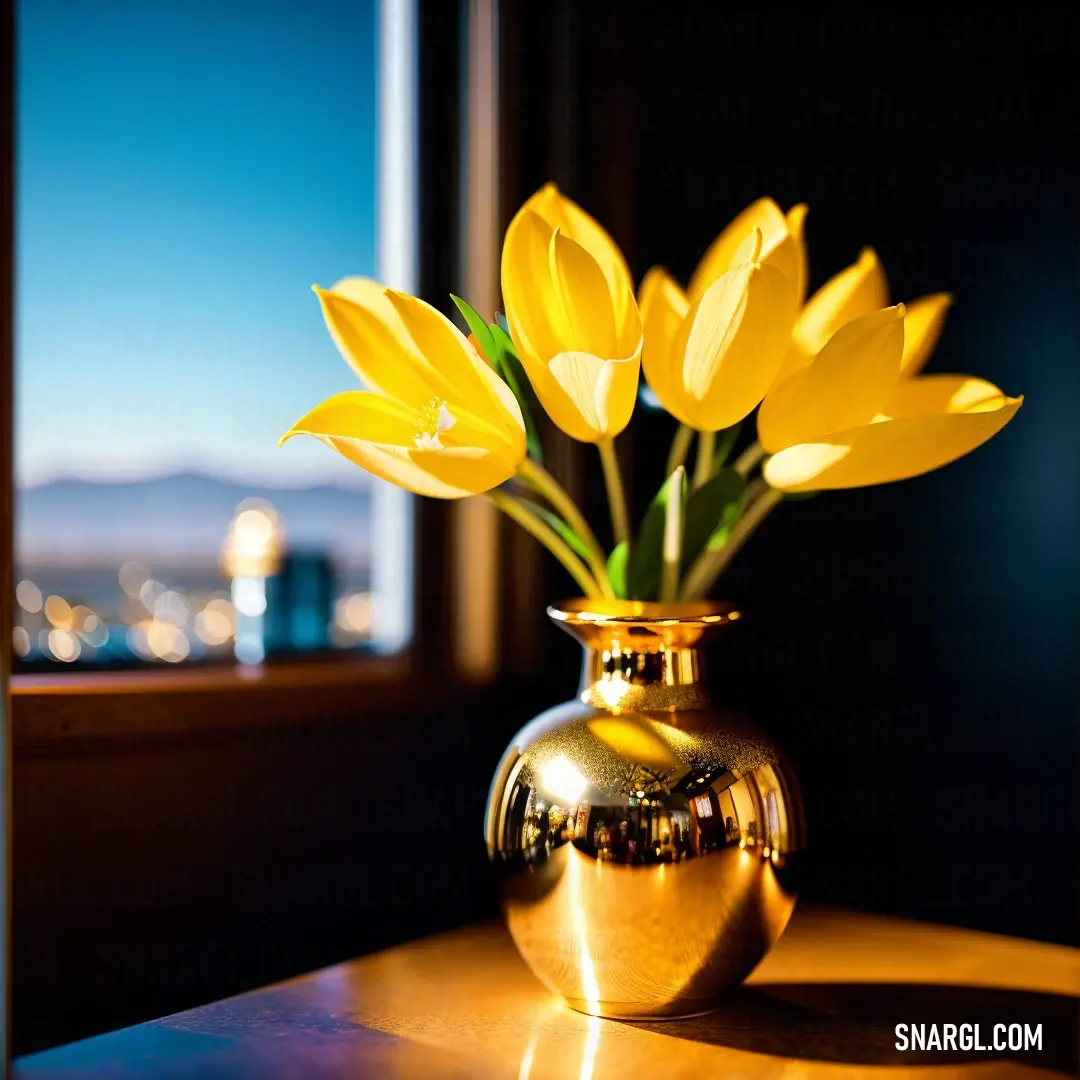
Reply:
x=645, y=840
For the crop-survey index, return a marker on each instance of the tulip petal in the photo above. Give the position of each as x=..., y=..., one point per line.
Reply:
x=370, y=417
x=579, y=375
x=856, y=290
x=471, y=388
x=923, y=324
x=410, y=469
x=571, y=220
x=710, y=330
x=531, y=305
x=466, y=468
x=508, y=418
x=846, y=385
x=560, y=290
x=359, y=414
x=664, y=306
x=796, y=359
x=796, y=219
x=587, y=322
x=616, y=394
x=370, y=294
x=444, y=346
x=589, y=398
x=777, y=247
x=931, y=394
x=884, y=452
x=377, y=434
x=558, y=403
x=371, y=337
x=732, y=343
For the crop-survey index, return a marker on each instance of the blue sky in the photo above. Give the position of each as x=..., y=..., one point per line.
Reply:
x=186, y=170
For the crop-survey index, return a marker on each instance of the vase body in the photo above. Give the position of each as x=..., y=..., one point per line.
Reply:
x=645, y=840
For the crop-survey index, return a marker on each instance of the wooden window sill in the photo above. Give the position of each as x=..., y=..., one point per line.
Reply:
x=68, y=708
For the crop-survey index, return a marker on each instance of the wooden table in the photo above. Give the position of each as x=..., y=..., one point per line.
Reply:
x=824, y=1003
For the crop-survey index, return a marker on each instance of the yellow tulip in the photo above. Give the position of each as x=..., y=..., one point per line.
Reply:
x=573, y=319
x=851, y=417
x=436, y=420
x=782, y=246
x=858, y=290
x=922, y=327
x=710, y=358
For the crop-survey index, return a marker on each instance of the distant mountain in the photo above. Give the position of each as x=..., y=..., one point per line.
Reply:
x=178, y=520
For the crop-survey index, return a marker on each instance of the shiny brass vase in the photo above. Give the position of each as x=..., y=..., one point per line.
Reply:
x=646, y=841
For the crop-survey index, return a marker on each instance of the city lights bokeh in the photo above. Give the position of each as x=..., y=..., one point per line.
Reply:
x=150, y=619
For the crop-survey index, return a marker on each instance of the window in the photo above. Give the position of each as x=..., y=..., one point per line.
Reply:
x=185, y=171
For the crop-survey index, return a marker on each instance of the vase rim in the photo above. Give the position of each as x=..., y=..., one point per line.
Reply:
x=581, y=611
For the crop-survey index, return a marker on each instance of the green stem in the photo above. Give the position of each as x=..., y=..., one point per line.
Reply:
x=748, y=459
x=680, y=447
x=542, y=481
x=709, y=565
x=671, y=551
x=620, y=517
x=550, y=539
x=706, y=451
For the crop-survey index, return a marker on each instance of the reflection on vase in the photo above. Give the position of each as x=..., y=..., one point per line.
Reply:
x=645, y=841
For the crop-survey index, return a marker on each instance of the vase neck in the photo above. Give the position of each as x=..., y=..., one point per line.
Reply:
x=628, y=675
x=642, y=656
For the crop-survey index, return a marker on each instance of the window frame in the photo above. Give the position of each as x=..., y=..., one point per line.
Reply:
x=418, y=250
x=7, y=598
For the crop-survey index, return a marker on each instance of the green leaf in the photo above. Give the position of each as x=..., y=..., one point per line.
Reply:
x=504, y=344
x=478, y=328
x=576, y=544
x=498, y=350
x=500, y=321
x=508, y=365
x=729, y=518
x=724, y=445
x=617, y=566
x=649, y=549
x=716, y=502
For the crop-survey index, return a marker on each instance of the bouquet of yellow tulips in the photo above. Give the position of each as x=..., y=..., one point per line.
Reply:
x=835, y=380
